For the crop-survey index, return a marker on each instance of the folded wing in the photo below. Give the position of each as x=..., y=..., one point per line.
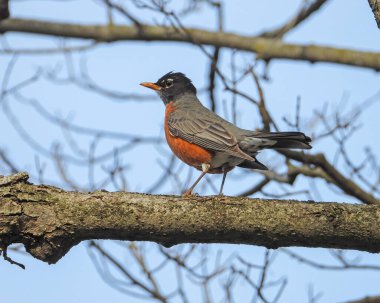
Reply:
x=204, y=132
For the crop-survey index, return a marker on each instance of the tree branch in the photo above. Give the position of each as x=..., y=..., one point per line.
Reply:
x=375, y=6
x=49, y=220
x=306, y=11
x=265, y=48
x=4, y=10
x=375, y=299
x=347, y=185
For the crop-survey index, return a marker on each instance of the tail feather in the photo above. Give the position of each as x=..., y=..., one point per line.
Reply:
x=253, y=165
x=254, y=142
x=286, y=140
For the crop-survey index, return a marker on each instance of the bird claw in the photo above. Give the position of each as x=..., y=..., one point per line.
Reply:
x=189, y=193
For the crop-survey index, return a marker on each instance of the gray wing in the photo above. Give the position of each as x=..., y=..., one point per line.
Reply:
x=205, y=132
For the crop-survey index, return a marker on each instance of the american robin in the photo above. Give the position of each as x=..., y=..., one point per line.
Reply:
x=203, y=140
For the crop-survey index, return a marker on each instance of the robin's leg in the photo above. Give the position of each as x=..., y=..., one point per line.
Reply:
x=205, y=168
x=225, y=171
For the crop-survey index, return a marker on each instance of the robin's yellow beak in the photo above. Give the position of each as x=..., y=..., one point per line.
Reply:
x=151, y=85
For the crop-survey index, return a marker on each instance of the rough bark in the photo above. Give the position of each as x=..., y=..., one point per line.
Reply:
x=375, y=6
x=49, y=221
x=265, y=48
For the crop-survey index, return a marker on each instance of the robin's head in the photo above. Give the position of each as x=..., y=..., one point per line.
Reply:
x=171, y=86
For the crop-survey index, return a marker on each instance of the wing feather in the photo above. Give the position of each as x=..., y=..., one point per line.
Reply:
x=209, y=134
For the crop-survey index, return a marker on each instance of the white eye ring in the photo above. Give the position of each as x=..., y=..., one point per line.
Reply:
x=169, y=82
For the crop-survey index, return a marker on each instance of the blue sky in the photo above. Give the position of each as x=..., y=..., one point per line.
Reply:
x=121, y=66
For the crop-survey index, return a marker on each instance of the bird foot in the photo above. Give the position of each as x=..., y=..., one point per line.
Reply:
x=189, y=193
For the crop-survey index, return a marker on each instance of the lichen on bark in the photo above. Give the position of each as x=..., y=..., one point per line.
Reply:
x=49, y=221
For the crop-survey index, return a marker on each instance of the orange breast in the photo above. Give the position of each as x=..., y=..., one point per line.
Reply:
x=189, y=153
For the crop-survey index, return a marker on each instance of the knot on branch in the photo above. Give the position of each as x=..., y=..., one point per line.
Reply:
x=14, y=179
x=52, y=247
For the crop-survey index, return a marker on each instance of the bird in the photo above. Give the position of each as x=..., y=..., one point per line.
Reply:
x=206, y=141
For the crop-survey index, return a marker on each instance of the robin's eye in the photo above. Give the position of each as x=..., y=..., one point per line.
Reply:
x=169, y=83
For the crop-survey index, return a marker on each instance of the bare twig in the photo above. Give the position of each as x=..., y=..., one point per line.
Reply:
x=305, y=12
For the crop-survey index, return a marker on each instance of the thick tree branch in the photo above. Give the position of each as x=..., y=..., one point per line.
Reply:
x=49, y=220
x=264, y=47
x=375, y=6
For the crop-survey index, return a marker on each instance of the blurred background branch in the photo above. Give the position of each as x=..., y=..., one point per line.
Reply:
x=4, y=9
x=266, y=48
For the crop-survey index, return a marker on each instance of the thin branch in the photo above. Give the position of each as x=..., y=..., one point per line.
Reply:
x=344, y=183
x=344, y=265
x=305, y=12
x=151, y=292
x=215, y=58
x=124, y=12
x=4, y=10
x=11, y=166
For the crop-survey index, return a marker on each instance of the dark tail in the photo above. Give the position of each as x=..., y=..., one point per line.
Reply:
x=286, y=140
x=254, y=142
